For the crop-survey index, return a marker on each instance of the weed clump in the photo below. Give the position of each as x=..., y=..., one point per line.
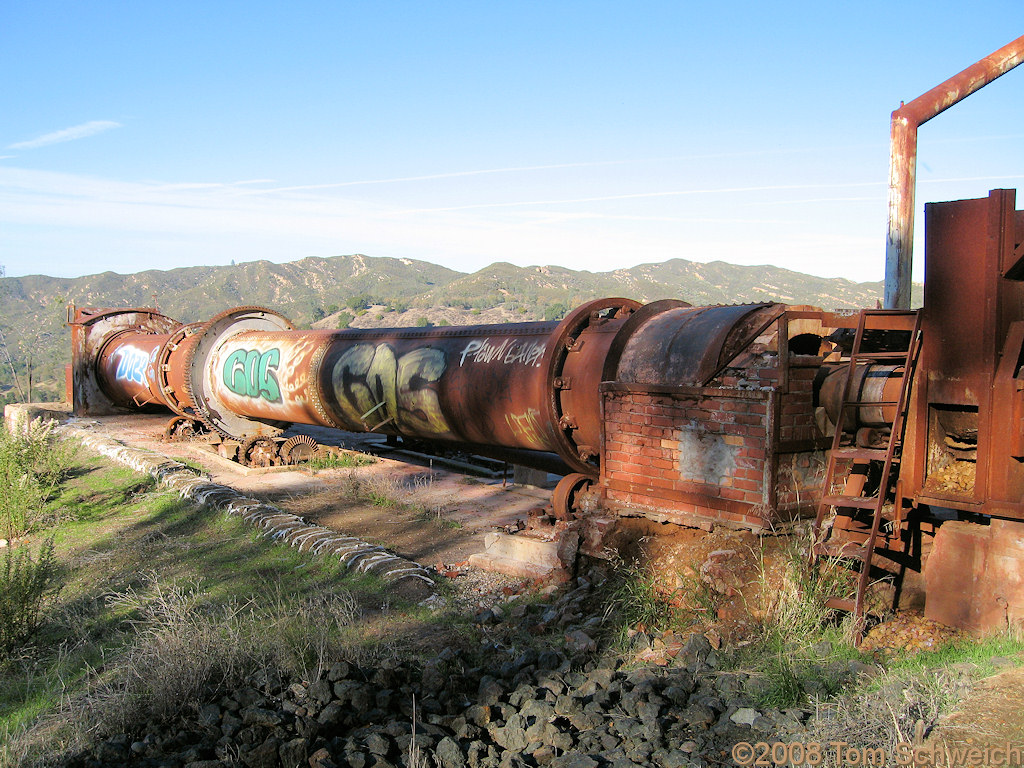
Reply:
x=26, y=586
x=799, y=640
x=339, y=460
x=640, y=601
x=33, y=462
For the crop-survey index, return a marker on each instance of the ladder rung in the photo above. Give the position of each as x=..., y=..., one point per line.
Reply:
x=861, y=502
x=847, y=549
x=897, y=355
x=874, y=454
x=841, y=604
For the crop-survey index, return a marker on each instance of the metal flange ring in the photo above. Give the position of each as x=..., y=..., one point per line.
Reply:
x=566, y=494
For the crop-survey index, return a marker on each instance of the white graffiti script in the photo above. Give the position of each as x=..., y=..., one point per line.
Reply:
x=132, y=363
x=509, y=351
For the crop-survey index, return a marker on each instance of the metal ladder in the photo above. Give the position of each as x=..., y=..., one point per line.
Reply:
x=847, y=542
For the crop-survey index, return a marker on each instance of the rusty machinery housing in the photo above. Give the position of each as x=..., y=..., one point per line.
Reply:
x=703, y=416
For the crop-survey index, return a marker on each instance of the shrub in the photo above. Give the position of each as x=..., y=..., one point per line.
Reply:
x=26, y=586
x=32, y=464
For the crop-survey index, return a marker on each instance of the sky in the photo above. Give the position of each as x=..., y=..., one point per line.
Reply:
x=590, y=135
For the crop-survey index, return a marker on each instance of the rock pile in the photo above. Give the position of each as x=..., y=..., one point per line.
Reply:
x=564, y=707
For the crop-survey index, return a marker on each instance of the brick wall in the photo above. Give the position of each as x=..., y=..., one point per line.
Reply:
x=712, y=455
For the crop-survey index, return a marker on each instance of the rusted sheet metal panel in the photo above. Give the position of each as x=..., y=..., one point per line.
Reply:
x=903, y=160
x=975, y=576
x=967, y=383
x=689, y=345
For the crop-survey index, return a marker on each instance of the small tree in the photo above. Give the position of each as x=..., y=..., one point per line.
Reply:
x=357, y=302
x=26, y=586
x=555, y=311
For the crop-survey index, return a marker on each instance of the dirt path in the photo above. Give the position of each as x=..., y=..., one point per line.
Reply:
x=991, y=715
x=441, y=516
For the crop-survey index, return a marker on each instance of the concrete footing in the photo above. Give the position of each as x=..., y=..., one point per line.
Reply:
x=529, y=556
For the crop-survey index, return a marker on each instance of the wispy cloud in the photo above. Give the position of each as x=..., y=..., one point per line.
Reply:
x=113, y=221
x=642, y=195
x=451, y=175
x=83, y=131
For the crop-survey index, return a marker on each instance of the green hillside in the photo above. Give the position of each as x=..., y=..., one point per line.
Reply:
x=33, y=308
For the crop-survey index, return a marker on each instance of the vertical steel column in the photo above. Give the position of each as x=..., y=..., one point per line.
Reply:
x=899, y=245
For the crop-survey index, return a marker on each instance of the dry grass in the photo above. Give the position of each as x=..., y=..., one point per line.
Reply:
x=184, y=650
x=899, y=707
x=122, y=645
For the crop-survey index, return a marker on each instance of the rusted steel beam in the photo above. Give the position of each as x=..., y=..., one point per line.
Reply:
x=906, y=120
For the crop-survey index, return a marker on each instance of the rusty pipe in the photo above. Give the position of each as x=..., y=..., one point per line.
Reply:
x=871, y=384
x=127, y=368
x=517, y=387
x=906, y=120
x=508, y=386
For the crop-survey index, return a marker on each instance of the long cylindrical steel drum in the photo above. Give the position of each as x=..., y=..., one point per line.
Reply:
x=464, y=386
x=525, y=386
x=127, y=365
x=495, y=385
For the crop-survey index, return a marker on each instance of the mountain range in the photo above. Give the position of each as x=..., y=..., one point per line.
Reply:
x=366, y=290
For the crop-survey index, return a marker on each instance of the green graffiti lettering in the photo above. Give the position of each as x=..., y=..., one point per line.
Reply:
x=268, y=386
x=251, y=373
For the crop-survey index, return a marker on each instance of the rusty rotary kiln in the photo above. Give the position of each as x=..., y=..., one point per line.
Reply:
x=527, y=391
x=902, y=431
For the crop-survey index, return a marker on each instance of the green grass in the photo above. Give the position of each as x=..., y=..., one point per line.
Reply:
x=140, y=565
x=979, y=653
x=340, y=460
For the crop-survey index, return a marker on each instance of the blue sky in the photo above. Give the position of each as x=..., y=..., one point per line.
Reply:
x=591, y=135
